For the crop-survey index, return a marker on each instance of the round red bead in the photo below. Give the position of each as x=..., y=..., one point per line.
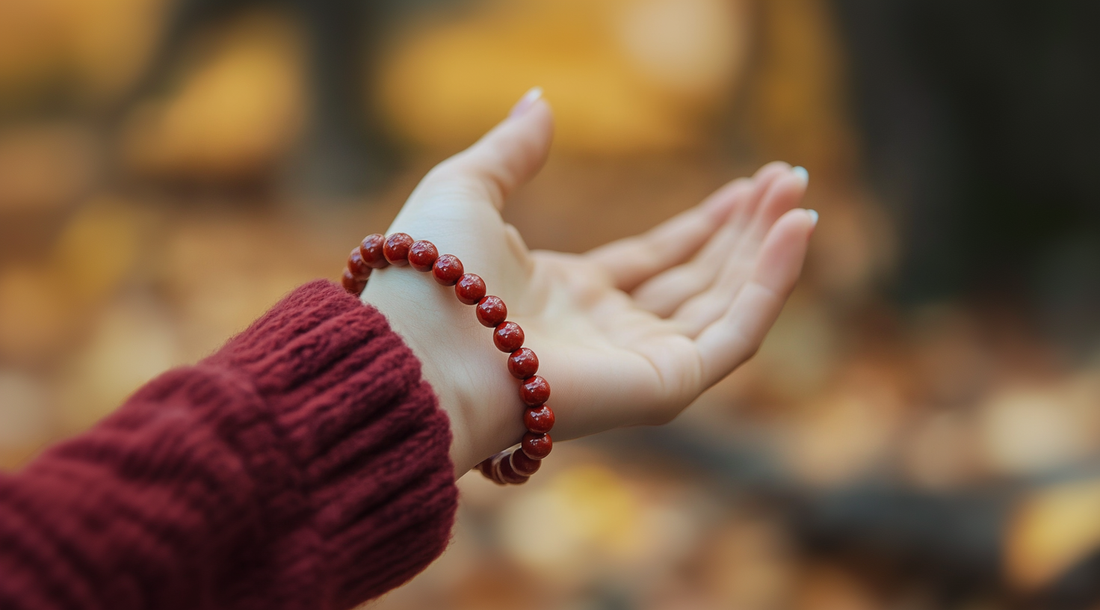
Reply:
x=485, y=466
x=422, y=255
x=534, y=391
x=491, y=311
x=396, y=249
x=536, y=446
x=372, y=251
x=524, y=465
x=508, y=337
x=470, y=288
x=509, y=475
x=447, y=270
x=353, y=284
x=359, y=269
x=539, y=420
x=523, y=363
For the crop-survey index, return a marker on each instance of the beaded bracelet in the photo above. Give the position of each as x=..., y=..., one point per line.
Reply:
x=378, y=251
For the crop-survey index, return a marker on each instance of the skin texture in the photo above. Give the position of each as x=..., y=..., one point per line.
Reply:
x=629, y=333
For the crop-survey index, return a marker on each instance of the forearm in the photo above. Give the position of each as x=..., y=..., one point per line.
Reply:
x=151, y=501
x=303, y=465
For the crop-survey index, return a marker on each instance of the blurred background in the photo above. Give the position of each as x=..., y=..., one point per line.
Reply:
x=920, y=430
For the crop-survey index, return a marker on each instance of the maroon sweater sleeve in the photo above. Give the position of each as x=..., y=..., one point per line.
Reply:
x=304, y=465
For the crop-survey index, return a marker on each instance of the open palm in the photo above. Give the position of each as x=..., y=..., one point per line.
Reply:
x=629, y=333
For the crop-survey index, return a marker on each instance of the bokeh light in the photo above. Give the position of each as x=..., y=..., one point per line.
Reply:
x=922, y=427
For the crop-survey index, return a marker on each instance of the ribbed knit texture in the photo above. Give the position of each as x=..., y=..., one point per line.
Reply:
x=304, y=465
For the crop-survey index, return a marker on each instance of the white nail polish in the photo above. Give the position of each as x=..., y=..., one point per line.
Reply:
x=813, y=216
x=801, y=173
x=526, y=102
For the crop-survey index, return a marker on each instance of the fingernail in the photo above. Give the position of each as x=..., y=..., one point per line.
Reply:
x=524, y=104
x=801, y=173
x=813, y=216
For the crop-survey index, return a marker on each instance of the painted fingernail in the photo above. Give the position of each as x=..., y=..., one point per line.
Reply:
x=526, y=102
x=801, y=173
x=813, y=216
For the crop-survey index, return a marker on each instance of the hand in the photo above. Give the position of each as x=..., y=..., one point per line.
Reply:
x=629, y=333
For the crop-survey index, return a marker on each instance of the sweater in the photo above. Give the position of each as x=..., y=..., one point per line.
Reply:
x=303, y=465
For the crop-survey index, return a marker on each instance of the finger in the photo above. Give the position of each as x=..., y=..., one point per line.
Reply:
x=503, y=159
x=632, y=260
x=699, y=311
x=738, y=333
x=664, y=293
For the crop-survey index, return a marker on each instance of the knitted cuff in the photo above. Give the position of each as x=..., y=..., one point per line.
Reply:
x=371, y=443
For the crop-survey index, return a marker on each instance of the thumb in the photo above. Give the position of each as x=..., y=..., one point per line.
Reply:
x=506, y=157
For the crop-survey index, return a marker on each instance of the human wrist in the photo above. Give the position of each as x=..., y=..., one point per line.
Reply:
x=457, y=360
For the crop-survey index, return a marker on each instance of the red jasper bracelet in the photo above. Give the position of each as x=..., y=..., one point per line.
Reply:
x=378, y=251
